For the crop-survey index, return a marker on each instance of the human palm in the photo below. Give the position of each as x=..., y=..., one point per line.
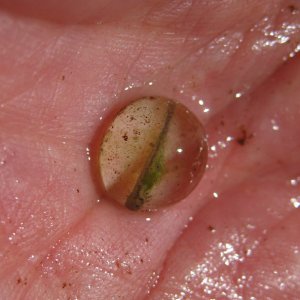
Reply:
x=64, y=67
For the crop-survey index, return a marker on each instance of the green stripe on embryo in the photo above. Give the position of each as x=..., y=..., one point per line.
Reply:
x=154, y=168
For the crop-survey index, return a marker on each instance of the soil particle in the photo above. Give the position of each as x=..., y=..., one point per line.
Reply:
x=243, y=136
x=211, y=228
x=118, y=265
x=292, y=8
x=65, y=284
x=22, y=281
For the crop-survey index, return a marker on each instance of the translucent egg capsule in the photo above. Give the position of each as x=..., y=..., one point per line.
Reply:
x=153, y=154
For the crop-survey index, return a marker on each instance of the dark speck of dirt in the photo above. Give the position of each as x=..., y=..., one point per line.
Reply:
x=63, y=77
x=125, y=137
x=78, y=191
x=292, y=8
x=243, y=136
x=141, y=260
x=20, y=280
x=118, y=265
x=146, y=240
x=211, y=228
x=64, y=285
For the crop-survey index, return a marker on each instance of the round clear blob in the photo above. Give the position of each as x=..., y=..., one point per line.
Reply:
x=153, y=154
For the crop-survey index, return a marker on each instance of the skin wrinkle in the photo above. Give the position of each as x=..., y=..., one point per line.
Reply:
x=87, y=93
x=260, y=242
x=278, y=168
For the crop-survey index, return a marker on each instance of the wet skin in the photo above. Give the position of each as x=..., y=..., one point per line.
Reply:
x=64, y=69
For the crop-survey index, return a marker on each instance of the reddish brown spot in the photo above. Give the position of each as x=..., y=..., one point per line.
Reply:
x=243, y=136
x=118, y=265
x=211, y=228
x=125, y=137
x=78, y=191
x=292, y=8
x=129, y=272
x=64, y=285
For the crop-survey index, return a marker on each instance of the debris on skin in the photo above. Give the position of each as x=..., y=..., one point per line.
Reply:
x=63, y=77
x=118, y=265
x=292, y=8
x=22, y=281
x=211, y=228
x=64, y=285
x=243, y=137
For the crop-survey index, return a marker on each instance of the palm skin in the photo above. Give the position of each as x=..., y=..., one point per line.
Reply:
x=65, y=67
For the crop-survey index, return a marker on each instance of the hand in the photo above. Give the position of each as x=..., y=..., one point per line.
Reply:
x=64, y=67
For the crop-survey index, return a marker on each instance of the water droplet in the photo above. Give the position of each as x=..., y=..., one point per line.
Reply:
x=275, y=126
x=201, y=102
x=152, y=154
x=215, y=195
x=295, y=202
x=33, y=258
x=238, y=95
x=87, y=151
x=295, y=181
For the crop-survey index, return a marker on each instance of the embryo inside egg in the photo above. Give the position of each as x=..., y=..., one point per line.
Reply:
x=153, y=154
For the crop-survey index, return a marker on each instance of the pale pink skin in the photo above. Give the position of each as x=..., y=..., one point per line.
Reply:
x=58, y=79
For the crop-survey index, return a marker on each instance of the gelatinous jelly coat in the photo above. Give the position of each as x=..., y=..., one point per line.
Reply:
x=153, y=154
